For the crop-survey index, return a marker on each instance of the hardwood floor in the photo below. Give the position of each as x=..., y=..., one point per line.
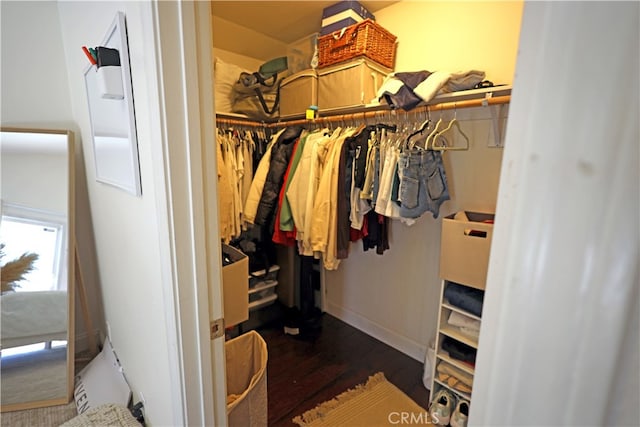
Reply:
x=301, y=373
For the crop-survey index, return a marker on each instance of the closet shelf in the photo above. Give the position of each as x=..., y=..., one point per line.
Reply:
x=453, y=390
x=268, y=300
x=263, y=286
x=451, y=307
x=458, y=364
x=492, y=97
x=453, y=332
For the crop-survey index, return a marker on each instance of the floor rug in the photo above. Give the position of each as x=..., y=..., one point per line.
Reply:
x=375, y=403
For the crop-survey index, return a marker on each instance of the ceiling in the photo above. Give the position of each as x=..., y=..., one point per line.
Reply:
x=285, y=21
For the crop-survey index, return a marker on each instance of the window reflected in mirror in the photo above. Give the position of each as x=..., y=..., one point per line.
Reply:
x=36, y=236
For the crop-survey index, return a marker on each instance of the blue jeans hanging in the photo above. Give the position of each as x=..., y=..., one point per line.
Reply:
x=423, y=183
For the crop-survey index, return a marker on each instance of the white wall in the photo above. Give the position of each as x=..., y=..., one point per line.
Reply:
x=245, y=41
x=36, y=180
x=246, y=62
x=35, y=89
x=127, y=228
x=394, y=297
x=31, y=38
x=455, y=35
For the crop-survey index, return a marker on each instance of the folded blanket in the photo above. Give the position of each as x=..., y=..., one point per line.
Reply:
x=457, y=319
x=408, y=89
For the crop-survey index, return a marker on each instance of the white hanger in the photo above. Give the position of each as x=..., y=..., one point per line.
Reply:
x=453, y=122
x=433, y=133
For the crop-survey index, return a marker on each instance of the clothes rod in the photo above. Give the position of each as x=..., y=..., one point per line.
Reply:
x=379, y=113
x=240, y=122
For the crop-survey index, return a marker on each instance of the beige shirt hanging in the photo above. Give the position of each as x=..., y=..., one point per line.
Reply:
x=225, y=196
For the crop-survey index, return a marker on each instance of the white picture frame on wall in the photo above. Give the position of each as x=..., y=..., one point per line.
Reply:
x=112, y=114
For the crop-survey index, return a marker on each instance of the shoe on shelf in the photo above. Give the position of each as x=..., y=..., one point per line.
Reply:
x=460, y=414
x=441, y=407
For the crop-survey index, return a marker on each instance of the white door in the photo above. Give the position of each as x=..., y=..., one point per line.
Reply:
x=559, y=337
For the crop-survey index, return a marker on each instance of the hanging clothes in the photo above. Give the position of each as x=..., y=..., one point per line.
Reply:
x=377, y=236
x=303, y=187
x=225, y=197
x=345, y=190
x=318, y=160
x=324, y=226
x=245, y=165
x=280, y=156
x=423, y=183
x=257, y=185
x=324, y=189
x=286, y=217
x=280, y=236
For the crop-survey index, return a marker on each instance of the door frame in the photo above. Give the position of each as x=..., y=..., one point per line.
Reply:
x=183, y=45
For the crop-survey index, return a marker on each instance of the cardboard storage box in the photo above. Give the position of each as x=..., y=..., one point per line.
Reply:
x=343, y=14
x=298, y=92
x=465, y=248
x=350, y=84
x=235, y=285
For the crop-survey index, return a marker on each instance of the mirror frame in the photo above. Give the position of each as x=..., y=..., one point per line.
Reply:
x=71, y=263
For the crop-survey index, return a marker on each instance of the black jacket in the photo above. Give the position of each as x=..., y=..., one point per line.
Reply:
x=280, y=156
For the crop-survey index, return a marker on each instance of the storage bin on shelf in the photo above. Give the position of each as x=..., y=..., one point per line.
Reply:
x=343, y=14
x=351, y=84
x=262, y=287
x=259, y=276
x=298, y=92
x=465, y=248
x=366, y=38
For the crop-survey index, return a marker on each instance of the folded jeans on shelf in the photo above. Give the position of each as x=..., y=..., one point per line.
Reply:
x=466, y=298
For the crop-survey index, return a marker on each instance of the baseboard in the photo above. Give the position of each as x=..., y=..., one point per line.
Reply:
x=391, y=338
x=82, y=340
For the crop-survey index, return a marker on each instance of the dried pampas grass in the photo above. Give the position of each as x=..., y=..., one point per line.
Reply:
x=15, y=271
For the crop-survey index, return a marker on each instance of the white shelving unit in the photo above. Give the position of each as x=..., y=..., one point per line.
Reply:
x=457, y=248
x=442, y=356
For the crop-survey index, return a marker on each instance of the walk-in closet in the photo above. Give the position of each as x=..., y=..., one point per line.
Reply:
x=398, y=292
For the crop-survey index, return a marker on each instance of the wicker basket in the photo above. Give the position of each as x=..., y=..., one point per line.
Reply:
x=363, y=39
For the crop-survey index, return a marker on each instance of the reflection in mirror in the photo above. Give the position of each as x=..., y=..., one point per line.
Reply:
x=36, y=267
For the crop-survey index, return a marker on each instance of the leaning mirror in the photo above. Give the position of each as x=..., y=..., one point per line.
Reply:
x=36, y=268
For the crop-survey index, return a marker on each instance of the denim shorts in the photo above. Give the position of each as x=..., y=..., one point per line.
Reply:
x=423, y=183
